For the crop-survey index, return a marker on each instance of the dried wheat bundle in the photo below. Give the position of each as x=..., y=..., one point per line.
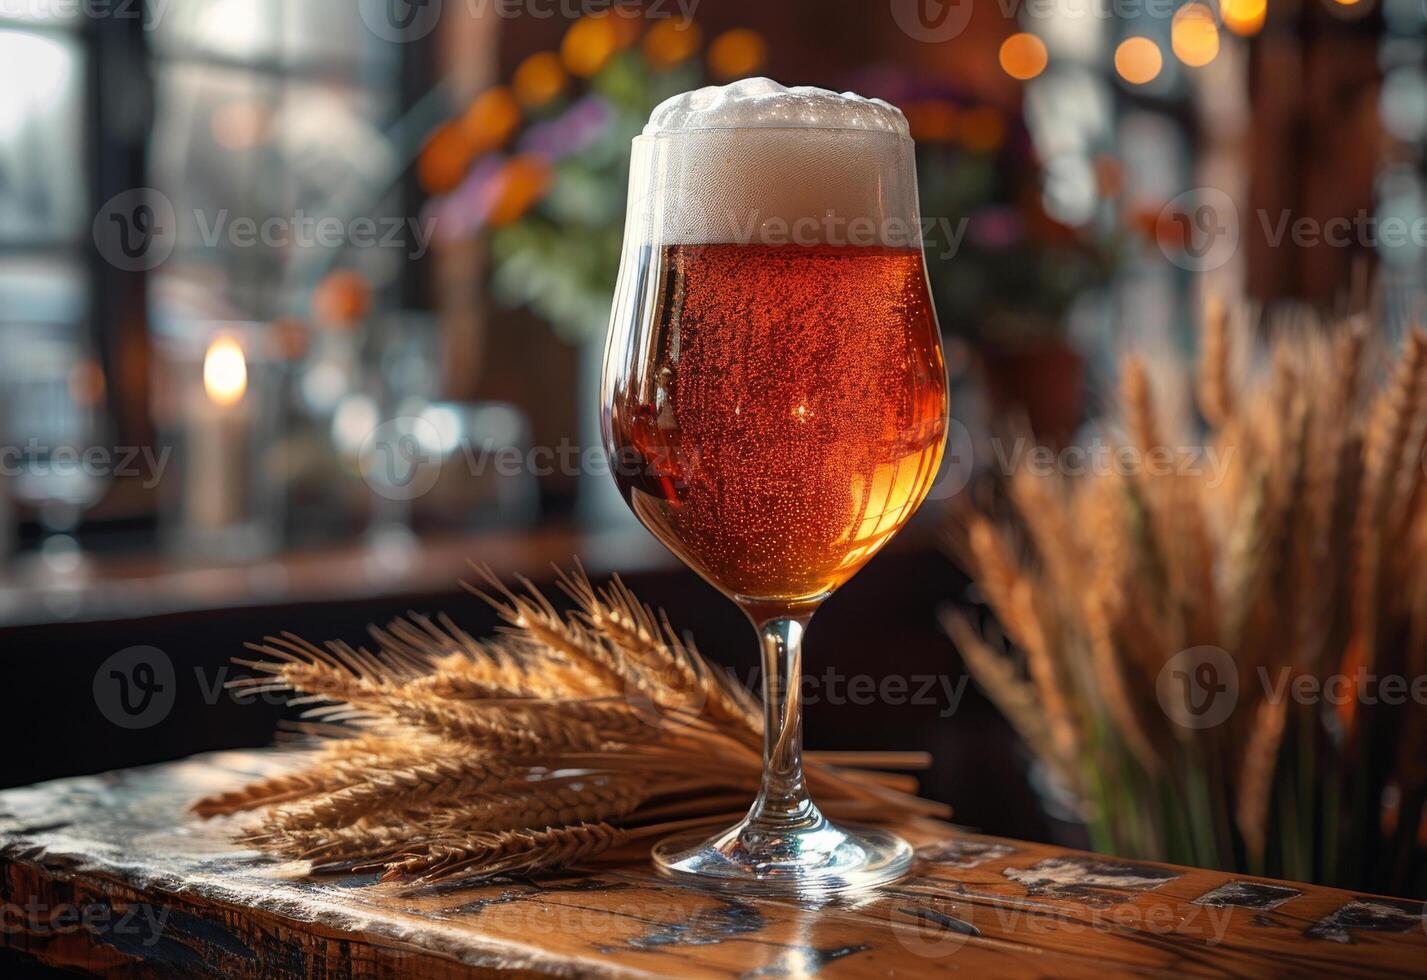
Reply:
x=439, y=756
x=1289, y=530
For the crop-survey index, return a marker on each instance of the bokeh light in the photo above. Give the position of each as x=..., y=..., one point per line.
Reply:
x=225, y=372
x=1244, y=17
x=1138, y=60
x=737, y=54
x=1023, y=56
x=1194, y=35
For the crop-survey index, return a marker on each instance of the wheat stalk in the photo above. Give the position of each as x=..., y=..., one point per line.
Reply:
x=435, y=755
x=1304, y=557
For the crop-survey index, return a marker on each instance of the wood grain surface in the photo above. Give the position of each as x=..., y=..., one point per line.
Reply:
x=108, y=874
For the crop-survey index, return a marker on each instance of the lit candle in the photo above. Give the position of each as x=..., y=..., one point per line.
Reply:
x=220, y=424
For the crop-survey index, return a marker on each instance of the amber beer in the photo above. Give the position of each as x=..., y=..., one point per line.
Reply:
x=790, y=414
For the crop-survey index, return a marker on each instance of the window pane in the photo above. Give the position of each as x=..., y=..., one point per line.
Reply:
x=241, y=30
x=42, y=194
x=44, y=292
x=333, y=32
x=302, y=34
x=251, y=161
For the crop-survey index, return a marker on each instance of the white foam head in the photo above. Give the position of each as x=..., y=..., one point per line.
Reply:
x=757, y=162
x=761, y=103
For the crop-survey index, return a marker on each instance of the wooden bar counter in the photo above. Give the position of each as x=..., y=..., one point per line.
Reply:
x=108, y=874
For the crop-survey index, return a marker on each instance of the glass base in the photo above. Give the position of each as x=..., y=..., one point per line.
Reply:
x=810, y=858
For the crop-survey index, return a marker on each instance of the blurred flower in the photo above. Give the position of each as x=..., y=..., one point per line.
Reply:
x=461, y=214
x=737, y=54
x=520, y=185
x=539, y=79
x=444, y=159
x=342, y=298
x=573, y=131
x=981, y=129
x=492, y=117
x=999, y=226
x=588, y=45
x=671, y=41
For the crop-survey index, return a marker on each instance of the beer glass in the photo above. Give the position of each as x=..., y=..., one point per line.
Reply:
x=774, y=404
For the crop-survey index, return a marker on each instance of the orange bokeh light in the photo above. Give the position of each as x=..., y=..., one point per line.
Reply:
x=1243, y=17
x=1023, y=56
x=1138, y=60
x=1194, y=35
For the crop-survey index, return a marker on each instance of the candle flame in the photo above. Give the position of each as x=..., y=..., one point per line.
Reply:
x=225, y=372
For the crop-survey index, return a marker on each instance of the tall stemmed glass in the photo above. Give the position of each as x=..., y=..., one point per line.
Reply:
x=775, y=404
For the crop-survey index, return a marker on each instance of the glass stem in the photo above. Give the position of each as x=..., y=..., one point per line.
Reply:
x=783, y=799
